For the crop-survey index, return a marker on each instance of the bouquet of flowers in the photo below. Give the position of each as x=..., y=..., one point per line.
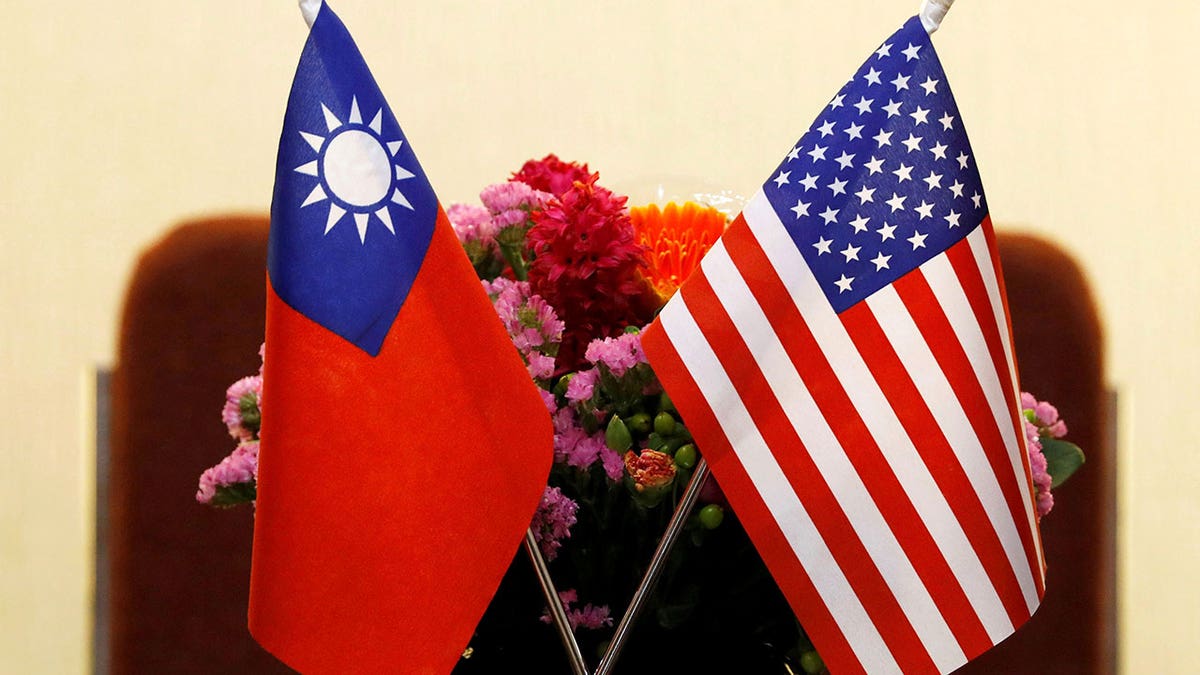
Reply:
x=574, y=275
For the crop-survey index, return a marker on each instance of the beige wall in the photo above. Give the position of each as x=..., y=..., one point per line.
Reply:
x=117, y=119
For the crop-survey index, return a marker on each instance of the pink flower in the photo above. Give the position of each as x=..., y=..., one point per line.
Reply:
x=614, y=466
x=618, y=354
x=242, y=411
x=531, y=324
x=586, y=451
x=1041, y=421
x=1042, y=480
x=509, y=218
x=548, y=399
x=553, y=520
x=1046, y=416
x=471, y=223
x=241, y=466
x=582, y=386
x=541, y=367
x=567, y=434
x=512, y=196
x=589, y=616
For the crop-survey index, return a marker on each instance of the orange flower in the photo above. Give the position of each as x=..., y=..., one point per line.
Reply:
x=649, y=470
x=676, y=238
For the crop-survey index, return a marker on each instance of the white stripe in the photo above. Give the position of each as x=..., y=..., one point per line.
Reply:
x=889, y=434
x=977, y=240
x=830, y=458
x=948, y=414
x=950, y=295
x=774, y=489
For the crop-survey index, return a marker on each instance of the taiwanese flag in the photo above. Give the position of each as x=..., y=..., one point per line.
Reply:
x=404, y=447
x=843, y=358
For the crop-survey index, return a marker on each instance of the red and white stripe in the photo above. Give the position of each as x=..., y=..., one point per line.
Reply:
x=876, y=457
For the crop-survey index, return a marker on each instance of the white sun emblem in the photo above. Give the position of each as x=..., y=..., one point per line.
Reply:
x=356, y=164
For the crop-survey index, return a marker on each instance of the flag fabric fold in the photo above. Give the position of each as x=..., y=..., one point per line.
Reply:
x=404, y=447
x=844, y=359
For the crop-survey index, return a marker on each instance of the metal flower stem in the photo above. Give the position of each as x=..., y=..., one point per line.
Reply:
x=661, y=554
x=570, y=644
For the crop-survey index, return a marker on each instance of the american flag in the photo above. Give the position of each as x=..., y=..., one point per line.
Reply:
x=844, y=359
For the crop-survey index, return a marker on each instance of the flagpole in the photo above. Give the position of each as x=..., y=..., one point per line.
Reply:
x=665, y=546
x=309, y=9
x=932, y=12
x=554, y=603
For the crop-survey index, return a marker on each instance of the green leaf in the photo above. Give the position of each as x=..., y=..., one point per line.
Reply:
x=1062, y=459
x=232, y=495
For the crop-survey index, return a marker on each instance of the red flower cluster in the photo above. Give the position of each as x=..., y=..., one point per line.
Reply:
x=551, y=174
x=588, y=266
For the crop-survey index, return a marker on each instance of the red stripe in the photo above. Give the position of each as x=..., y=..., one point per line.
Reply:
x=971, y=277
x=993, y=248
x=989, y=234
x=931, y=321
x=859, y=445
x=917, y=419
x=806, y=479
x=762, y=528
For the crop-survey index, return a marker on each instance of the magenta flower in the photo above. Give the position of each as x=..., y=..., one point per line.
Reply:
x=618, y=354
x=548, y=399
x=567, y=434
x=243, y=405
x=240, y=467
x=512, y=196
x=582, y=386
x=471, y=223
x=541, y=367
x=589, y=616
x=552, y=521
x=551, y=174
x=1045, y=423
x=614, y=464
x=1042, y=480
x=586, y=451
x=1046, y=416
x=531, y=324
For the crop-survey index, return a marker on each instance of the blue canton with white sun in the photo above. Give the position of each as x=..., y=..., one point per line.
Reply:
x=353, y=213
x=885, y=179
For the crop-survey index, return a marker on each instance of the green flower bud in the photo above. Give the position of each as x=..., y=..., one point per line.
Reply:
x=248, y=408
x=639, y=423
x=617, y=436
x=664, y=424
x=811, y=662
x=633, y=330
x=685, y=457
x=560, y=389
x=656, y=442
x=711, y=516
x=664, y=402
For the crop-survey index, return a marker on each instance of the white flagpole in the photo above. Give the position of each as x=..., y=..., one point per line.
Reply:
x=309, y=9
x=932, y=13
